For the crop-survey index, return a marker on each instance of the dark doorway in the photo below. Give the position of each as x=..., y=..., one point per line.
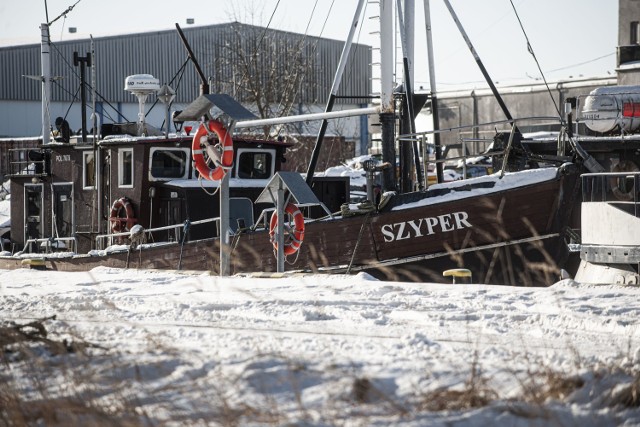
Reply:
x=63, y=210
x=33, y=211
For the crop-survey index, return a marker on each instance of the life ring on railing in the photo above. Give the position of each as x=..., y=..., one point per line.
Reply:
x=624, y=194
x=295, y=236
x=221, y=154
x=118, y=222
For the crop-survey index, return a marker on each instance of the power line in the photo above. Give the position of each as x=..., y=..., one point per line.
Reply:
x=582, y=63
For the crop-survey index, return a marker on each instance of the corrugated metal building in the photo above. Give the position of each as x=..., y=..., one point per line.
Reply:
x=277, y=55
x=479, y=106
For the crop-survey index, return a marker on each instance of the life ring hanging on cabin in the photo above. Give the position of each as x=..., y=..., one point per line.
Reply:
x=296, y=236
x=614, y=182
x=221, y=154
x=122, y=223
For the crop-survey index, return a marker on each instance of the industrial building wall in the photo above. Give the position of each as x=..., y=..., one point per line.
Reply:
x=162, y=54
x=23, y=118
x=479, y=106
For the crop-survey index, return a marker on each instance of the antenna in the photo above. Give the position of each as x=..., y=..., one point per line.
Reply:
x=141, y=85
x=46, y=11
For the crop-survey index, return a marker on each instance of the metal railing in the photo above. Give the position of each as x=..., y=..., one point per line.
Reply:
x=50, y=243
x=619, y=188
x=510, y=127
x=27, y=161
x=100, y=239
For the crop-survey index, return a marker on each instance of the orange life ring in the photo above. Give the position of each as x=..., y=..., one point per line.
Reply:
x=122, y=223
x=614, y=182
x=221, y=154
x=296, y=236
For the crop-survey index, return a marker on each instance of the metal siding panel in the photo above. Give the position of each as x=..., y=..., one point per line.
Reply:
x=162, y=54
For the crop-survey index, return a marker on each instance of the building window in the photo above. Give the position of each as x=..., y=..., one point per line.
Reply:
x=169, y=163
x=634, y=32
x=125, y=168
x=88, y=170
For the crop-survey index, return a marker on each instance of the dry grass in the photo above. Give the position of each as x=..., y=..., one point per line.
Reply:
x=52, y=382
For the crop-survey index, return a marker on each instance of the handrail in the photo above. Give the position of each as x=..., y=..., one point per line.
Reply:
x=405, y=137
x=101, y=237
x=599, y=187
x=50, y=240
x=265, y=211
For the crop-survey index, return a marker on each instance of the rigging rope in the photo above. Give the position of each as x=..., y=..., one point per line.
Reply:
x=291, y=82
x=69, y=9
x=530, y=49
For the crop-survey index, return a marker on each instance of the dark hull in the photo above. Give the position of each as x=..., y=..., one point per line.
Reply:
x=513, y=236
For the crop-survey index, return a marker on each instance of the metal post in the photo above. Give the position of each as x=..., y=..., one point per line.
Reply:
x=346, y=50
x=280, y=233
x=387, y=110
x=97, y=154
x=46, y=82
x=83, y=61
x=483, y=70
x=225, y=250
x=434, y=98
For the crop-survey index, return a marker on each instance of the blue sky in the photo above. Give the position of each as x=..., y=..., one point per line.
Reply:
x=570, y=38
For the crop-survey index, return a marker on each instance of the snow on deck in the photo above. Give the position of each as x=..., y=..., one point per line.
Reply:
x=510, y=180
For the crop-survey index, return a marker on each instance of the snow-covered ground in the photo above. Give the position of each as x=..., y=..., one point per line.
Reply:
x=315, y=350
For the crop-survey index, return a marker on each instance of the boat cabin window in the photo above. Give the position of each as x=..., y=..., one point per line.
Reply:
x=125, y=168
x=634, y=33
x=88, y=170
x=255, y=163
x=169, y=163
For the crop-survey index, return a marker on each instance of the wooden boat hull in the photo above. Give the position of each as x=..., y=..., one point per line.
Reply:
x=513, y=236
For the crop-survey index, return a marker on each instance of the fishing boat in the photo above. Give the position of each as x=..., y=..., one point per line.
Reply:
x=215, y=202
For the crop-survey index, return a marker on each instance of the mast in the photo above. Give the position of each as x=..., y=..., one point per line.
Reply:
x=96, y=149
x=83, y=62
x=204, y=85
x=346, y=50
x=387, y=110
x=46, y=82
x=408, y=149
x=499, y=99
x=434, y=97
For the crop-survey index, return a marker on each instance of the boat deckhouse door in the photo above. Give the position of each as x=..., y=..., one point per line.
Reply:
x=33, y=210
x=62, y=210
x=174, y=216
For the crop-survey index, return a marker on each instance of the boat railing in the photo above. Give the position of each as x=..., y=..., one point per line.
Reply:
x=264, y=218
x=178, y=228
x=51, y=243
x=28, y=161
x=621, y=189
x=510, y=126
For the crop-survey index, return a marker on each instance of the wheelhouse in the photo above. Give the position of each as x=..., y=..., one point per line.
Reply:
x=70, y=192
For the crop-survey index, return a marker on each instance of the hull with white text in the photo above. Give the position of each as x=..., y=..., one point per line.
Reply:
x=509, y=236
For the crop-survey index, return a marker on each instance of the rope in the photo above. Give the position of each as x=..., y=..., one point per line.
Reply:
x=530, y=49
x=185, y=229
x=291, y=82
x=69, y=9
x=205, y=190
x=355, y=250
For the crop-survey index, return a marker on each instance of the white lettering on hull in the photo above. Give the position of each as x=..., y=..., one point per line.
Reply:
x=425, y=226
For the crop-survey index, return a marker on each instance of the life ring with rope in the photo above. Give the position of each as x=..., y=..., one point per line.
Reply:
x=295, y=236
x=221, y=154
x=120, y=223
x=618, y=184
